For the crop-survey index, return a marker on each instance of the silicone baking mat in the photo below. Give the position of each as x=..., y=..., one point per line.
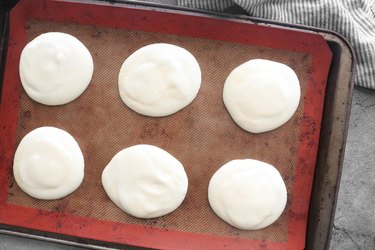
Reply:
x=202, y=136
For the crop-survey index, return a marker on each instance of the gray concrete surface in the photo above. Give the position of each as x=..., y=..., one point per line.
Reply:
x=354, y=224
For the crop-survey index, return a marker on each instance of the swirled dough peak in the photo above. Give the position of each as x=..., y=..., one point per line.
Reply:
x=261, y=95
x=55, y=68
x=48, y=163
x=159, y=79
x=247, y=194
x=145, y=181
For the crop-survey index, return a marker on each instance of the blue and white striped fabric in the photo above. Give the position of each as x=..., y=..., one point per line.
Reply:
x=353, y=19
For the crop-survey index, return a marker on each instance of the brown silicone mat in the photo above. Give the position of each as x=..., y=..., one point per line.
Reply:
x=202, y=135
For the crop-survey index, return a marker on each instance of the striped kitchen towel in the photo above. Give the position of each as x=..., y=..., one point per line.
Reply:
x=353, y=19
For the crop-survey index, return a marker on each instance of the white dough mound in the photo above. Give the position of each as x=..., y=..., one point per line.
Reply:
x=261, y=95
x=55, y=68
x=145, y=181
x=48, y=163
x=159, y=79
x=247, y=194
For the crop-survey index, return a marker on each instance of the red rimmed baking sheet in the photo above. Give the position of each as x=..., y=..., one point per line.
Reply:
x=219, y=46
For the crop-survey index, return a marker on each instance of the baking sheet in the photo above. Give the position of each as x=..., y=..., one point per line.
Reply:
x=202, y=136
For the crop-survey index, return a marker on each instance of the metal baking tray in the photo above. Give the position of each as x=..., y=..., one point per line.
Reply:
x=332, y=133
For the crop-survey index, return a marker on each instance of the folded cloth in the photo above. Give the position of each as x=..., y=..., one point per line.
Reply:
x=353, y=19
